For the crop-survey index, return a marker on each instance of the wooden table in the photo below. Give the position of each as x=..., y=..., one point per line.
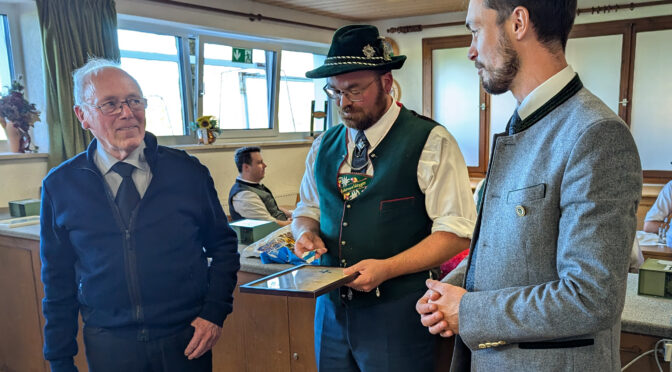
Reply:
x=659, y=251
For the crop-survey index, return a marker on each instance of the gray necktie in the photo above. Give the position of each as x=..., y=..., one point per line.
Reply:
x=360, y=156
x=127, y=195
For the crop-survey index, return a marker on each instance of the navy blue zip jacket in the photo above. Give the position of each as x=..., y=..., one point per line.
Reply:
x=144, y=281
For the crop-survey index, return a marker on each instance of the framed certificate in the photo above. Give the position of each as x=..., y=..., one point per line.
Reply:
x=300, y=281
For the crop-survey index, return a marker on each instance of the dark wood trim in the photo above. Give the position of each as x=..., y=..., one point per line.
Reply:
x=627, y=74
x=657, y=176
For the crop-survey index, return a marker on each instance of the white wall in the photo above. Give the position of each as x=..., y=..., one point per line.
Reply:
x=410, y=44
x=21, y=177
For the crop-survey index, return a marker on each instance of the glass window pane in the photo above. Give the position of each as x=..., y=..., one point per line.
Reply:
x=153, y=60
x=456, y=98
x=234, y=92
x=501, y=109
x=5, y=62
x=593, y=59
x=652, y=100
x=297, y=92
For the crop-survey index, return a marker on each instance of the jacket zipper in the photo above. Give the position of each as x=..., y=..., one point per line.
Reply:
x=130, y=259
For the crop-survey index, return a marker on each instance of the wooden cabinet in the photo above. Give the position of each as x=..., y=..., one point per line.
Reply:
x=269, y=333
x=633, y=345
x=21, y=320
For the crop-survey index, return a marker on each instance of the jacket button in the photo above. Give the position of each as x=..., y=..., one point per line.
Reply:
x=343, y=242
x=347, y=206
x=520, y=211
x=481, y=346
x=345, y=224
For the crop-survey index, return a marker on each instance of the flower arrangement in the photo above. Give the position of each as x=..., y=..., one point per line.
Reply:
x=205, y=127
x=17, y=116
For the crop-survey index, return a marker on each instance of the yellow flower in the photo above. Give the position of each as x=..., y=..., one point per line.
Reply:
x=204, y=121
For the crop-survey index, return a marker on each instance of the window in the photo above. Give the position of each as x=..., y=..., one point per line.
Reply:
x=6, y=63
x=254, y=88
x=237, y=84
x=298, y=94
x=156, y=62
x=633, y=88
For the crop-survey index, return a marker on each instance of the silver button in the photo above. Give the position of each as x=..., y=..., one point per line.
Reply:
x=345, y=224
x=343, y=242
x=347, y=206
x=520, y=211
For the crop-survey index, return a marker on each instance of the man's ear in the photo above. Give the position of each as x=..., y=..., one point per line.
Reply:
x=387, y=81
x=520, y=22
x=81, y=116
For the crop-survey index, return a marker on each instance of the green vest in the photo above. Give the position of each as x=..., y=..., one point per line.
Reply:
x=388, y=217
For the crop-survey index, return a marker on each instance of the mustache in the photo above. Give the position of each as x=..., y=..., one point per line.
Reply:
x=479, y=65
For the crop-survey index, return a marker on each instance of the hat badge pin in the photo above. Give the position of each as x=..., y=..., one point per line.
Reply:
x=368, y=51
x=387, y=49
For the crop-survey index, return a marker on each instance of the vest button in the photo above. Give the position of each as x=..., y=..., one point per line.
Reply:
x=343, y=242
x=345, y=224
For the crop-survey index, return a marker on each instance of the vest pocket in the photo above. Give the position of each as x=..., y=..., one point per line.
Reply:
x=396, y=209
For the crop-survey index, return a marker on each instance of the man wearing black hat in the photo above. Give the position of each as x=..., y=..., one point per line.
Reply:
x=386, y=194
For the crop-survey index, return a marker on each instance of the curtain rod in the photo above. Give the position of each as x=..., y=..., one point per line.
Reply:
x=251, y=16
x=592, y=10
x=615, y=8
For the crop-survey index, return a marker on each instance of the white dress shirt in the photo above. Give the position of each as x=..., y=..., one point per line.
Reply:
x=141, y=175
x=442, y=177
x=544, y=92
x=663, y=205
x=249, y=205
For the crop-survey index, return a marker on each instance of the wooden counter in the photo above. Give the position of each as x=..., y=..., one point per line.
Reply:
x=264, y=333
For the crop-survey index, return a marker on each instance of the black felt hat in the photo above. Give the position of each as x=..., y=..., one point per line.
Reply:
x=354, y=48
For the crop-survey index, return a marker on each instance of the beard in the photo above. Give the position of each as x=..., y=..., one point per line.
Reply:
x=497, y=80
x=361, y=119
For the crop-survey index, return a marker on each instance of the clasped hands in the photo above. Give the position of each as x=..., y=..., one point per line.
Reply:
x=439, y=308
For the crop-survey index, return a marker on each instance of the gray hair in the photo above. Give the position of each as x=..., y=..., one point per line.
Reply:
x=81, y=77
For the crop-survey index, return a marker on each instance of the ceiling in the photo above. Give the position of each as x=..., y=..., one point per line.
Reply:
x=360, y=10
x=369, y=10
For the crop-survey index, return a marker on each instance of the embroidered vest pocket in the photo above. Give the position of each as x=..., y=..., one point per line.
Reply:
x=526, y=194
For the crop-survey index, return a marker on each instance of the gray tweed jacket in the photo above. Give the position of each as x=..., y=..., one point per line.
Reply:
x=558, y=222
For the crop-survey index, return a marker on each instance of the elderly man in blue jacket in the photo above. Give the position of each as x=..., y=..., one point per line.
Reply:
x=126, y=231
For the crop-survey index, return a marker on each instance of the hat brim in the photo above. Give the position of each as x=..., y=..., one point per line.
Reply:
x=334, y=69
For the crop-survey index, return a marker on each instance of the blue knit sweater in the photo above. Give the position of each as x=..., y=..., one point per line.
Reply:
x=143, y=282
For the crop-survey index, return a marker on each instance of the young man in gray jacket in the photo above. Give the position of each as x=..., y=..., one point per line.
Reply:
x=545, y=282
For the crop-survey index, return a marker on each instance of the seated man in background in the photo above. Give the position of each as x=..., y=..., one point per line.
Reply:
x=660, y=210
x=250, y=199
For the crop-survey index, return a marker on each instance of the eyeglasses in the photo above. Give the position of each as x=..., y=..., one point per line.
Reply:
x=114, y=108
x=354, y=95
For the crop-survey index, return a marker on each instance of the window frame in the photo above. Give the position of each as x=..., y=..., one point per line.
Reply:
x=14, y=51
x=273, y=91
x=186, y=90
x=628, y=28
x=192, y=102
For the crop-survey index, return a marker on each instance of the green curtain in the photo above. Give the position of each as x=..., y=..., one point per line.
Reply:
x=72, y=32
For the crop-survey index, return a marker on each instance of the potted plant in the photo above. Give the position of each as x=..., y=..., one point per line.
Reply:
x=205, y=128
x=17, y=116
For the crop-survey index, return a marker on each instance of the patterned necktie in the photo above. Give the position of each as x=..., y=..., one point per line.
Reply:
x=514, y=123
x=360, y=156
x=127, y=194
